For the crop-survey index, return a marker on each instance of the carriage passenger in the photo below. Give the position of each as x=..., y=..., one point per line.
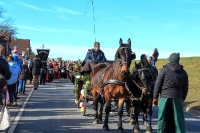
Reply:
x=94, y=56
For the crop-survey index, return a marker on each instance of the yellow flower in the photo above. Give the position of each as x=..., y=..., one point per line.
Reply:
x=87, y=82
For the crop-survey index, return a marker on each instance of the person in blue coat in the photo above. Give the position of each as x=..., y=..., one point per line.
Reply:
x=11, y=83
x=93, y=57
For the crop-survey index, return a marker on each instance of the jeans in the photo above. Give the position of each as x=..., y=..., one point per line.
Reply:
x=22, y=85
x=12, y=94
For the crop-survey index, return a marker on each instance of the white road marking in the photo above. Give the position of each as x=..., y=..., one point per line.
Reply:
x=17, y=118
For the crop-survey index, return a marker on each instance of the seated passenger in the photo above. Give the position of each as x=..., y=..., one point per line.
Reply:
x=93, y=57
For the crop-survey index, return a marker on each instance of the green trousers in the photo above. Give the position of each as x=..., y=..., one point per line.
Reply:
x=175, y=106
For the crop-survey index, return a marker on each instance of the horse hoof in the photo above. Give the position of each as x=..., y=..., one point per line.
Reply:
x=149, y=129
x=128, y=114
x=136, y=129
x=132, y=122
x=95, y=121
x=100, y=121
x=106, y=128
x=120, y=130
x=145, y=123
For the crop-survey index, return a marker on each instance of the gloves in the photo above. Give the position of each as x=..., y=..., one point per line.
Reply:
x=155, y=102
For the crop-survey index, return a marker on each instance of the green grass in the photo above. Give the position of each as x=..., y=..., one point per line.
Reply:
x=192, y=67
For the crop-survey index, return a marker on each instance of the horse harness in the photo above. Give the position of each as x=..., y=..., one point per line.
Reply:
x=116, y=81
x=144, y=69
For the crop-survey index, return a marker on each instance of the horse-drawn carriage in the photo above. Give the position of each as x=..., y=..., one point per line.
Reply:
x=115, y=81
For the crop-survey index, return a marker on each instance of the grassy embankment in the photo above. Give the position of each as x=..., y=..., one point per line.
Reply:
x=192, y=67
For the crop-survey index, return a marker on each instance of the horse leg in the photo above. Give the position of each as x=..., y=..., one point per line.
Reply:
x=149, y=114
x=120, y=113
x=128, y=107
x=136, y=127
x=132, y=120
x=100, y=110
x=107, y=111
x=95, y=107
x=145, y=118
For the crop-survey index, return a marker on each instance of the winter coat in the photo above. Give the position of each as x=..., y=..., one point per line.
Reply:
x=155, y=55
x=172, y=82
x=15, y=70
x=43, y=71
x=4, y=68
x=24, y=73
x=96, y=57
x=36, y=66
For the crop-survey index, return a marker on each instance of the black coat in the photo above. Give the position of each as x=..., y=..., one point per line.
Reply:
x=36, y=66
x=172, y=82
x=155, y=55
x=4, y=68
x=5, y=73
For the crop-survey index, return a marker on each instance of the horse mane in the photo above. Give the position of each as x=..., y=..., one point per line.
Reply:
x=100, y=66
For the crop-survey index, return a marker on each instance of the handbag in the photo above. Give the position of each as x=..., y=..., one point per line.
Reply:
x=5, y=122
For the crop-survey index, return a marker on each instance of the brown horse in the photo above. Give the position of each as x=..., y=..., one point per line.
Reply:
x=110, y=81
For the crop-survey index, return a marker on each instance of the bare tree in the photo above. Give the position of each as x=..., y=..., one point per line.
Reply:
x=1, y=12
x=6, y=25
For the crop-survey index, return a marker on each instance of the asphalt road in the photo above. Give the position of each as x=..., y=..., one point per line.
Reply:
x=51, y=109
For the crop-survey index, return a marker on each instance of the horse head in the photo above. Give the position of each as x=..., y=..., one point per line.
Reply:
x=124, y=56
x=142, y=74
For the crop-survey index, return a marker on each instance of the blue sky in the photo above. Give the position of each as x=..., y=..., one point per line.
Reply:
x=67, y=26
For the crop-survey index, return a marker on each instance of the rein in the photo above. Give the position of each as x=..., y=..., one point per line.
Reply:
x=116, y=81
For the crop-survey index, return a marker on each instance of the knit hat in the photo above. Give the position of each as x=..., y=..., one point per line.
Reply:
x=174, y=58
x=96, y=44
x=15, y=50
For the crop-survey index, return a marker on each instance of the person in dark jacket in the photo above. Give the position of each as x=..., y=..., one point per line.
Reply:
x=155, y=56
x=36, y=66
x=172, y=86
x=30, y=74
x=5, y=71
x=24, y=75
x=63, y=72
x=94, y=56
x=43, y=73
